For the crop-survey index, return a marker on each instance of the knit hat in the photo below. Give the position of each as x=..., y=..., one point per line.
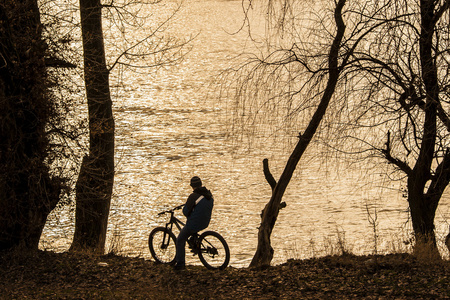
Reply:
x=196, y=182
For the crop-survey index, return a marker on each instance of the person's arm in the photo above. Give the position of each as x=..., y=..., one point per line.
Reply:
x=190, y=203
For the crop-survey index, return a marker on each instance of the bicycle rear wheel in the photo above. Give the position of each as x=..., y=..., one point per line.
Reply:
x=162, y=244
x=214, y=252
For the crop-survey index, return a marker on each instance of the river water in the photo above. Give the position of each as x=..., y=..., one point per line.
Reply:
x=170, y=126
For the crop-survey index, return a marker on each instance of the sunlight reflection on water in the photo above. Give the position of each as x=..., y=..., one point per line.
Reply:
x=170, y=127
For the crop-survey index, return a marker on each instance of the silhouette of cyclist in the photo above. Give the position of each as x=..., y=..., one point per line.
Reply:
x=198, y=210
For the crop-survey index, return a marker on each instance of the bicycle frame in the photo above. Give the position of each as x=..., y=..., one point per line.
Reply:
x=174, y=220
x=169, y=225
x=179, y=225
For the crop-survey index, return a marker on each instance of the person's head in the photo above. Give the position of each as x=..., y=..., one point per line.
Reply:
x=196, y=182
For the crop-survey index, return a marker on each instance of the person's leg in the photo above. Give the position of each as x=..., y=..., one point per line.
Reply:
x=180, y=258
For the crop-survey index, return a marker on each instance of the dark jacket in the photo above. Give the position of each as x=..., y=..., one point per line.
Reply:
x=198, y=209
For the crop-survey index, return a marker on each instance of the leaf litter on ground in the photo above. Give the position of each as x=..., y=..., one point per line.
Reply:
x=50, y=275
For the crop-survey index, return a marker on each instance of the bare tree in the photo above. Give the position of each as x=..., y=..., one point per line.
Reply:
x=264, y=252
x=316, y=74
x=402, y=68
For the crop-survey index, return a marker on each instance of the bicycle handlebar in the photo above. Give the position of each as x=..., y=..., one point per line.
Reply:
x=171, y=210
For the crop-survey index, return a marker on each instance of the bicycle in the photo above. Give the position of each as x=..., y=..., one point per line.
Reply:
x=210, y=246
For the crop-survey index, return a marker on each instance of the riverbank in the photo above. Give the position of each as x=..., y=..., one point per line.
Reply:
x=48, y=275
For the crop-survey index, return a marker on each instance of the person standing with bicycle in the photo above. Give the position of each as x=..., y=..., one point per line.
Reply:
x=198, y=210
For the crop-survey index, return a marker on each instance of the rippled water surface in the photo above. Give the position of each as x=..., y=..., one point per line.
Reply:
x=170, y=126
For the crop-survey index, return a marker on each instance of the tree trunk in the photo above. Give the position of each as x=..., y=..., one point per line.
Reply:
x=27, y=191
x=264, y=251
x=423, y=206
x=423, y=211
x=95, y=181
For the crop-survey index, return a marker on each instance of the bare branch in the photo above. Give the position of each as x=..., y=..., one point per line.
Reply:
x=397, y=162
x=269, y=177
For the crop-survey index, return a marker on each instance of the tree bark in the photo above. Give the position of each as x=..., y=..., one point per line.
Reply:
x=27, y=190
x=96, y=178
x=264, y=251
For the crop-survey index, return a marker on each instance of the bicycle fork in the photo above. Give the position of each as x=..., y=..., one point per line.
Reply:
x=166, y=237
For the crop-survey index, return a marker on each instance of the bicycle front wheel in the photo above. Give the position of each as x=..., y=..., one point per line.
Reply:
x=162, y=244
x=214, y=252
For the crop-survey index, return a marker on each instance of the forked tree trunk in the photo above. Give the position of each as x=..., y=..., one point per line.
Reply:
x=264, y=251
x=423, y=208
x=423, y=211
x=95, y=181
